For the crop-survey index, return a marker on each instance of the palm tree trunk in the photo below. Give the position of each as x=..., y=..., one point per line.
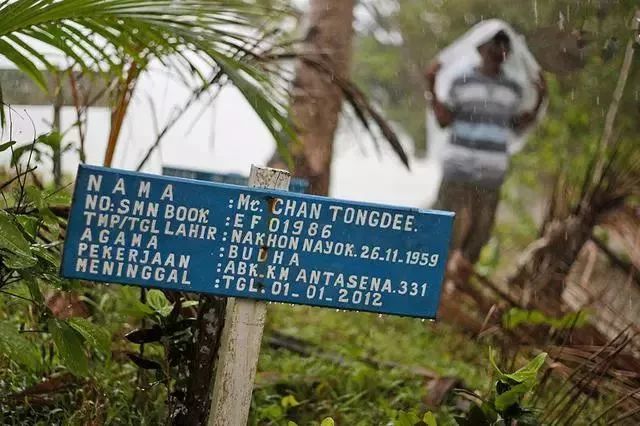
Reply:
x=124, y=95
x=316, y=101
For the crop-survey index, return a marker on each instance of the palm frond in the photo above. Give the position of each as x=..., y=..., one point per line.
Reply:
x=193, y=36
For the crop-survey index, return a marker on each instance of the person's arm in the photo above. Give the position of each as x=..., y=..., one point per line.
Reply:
x=443, y=114
x=526, y=119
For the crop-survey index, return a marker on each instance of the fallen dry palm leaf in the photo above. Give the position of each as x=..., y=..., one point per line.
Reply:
x=587, y=373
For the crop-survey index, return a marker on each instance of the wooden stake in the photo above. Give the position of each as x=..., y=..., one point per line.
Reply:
x=241, y=337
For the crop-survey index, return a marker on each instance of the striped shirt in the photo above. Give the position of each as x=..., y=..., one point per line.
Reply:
x=483, y=108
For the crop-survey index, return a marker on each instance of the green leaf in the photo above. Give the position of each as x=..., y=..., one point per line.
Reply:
x=529, y=372
x=489, y=412
x=22, y=150
x=53, y=140
x=51, y=221
x=96, y=336
x=512, y=396
x=492, y=360
x=289, y=401
x=290, y=423
x=189, y=303
x=20, y=289
x=57, y=197
x=276, y=122
x=572, y=319
x=406, y=419
x=34, y=195
x=516, y=316
x=13, y=261
x=47, y=254
x=11, y=238
x=5, y=146
x=429, y=419
x=34, y=288
x=528, y=418
x=28, y=223
x=328, y=421
x=24, y=63
x=18, y=348
x=158, y=302
x=272, y=412
x=138, y=309
x=69, y=345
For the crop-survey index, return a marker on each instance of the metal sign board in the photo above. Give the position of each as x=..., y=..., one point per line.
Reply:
x=194, y=236
x=297, y=184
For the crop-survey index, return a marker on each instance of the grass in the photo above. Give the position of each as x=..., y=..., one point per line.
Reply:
x=368, y=373
x=355, y=392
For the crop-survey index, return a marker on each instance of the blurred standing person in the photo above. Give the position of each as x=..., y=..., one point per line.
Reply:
x=492, y=92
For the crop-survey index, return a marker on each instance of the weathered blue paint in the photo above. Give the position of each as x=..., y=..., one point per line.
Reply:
x=179, y=234
x=297, y=184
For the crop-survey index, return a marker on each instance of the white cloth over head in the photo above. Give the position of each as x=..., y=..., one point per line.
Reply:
x=462, y=55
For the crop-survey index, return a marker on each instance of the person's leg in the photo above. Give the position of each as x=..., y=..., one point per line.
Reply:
x=455, y=197
x=484, y=206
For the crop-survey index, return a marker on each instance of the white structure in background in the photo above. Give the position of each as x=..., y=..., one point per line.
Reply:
x=229, y=137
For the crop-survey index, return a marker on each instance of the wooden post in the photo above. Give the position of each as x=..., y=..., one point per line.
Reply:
x=241, y=337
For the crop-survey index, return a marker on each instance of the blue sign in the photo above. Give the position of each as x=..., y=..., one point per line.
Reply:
x=297, y=184
x=194, y=236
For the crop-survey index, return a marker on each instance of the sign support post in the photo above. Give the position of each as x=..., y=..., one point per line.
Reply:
x=241, y=337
